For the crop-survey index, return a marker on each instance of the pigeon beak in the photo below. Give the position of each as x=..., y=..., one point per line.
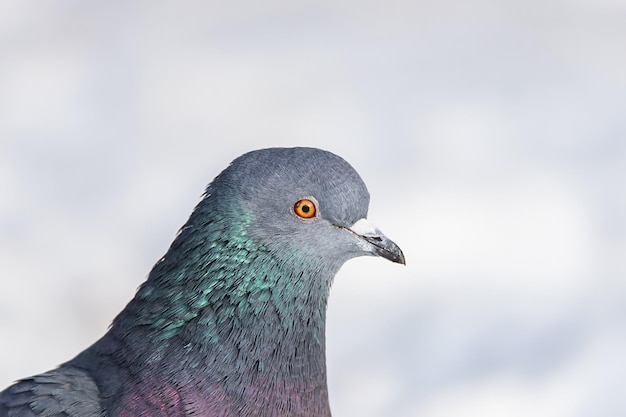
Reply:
x=379, y=244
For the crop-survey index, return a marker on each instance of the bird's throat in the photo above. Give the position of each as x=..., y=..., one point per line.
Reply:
x=245, y=320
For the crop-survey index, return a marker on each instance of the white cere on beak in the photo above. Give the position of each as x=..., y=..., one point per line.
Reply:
x=363, y=227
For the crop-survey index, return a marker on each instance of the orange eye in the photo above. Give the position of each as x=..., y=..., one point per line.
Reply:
x=305, y=208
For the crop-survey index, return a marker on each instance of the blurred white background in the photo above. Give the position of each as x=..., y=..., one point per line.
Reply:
x=491, y=134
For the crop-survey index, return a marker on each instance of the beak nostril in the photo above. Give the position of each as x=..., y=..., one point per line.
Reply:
x=381, y=245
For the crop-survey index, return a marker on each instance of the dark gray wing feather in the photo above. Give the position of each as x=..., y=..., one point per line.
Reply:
x=63, y=392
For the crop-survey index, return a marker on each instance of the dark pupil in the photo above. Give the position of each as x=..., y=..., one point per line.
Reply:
x=306, y=208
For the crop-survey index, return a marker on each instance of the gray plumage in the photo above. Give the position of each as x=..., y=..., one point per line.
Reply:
x=231, y=321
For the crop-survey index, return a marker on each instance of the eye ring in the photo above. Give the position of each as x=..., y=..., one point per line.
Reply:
x=305, y=208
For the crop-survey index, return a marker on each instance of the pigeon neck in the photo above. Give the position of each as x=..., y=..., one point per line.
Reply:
x=219, y=302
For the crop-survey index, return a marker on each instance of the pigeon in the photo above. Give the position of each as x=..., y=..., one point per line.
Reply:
x=231, y=320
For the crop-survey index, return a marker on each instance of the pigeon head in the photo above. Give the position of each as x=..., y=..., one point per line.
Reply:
x=303, y=203
x=274, y=227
